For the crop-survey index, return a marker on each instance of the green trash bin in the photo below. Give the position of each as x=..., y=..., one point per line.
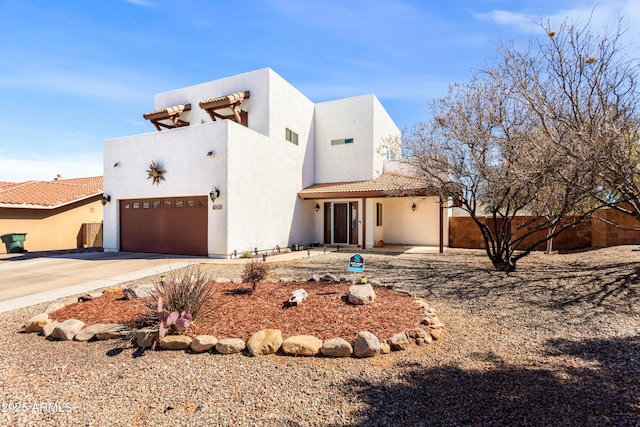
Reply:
x=14, y=242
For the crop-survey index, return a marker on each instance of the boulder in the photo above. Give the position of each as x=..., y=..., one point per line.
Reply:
x=175, y=342
x=302, y=345
x=336, y=347
x=230, y=345
x=54, y=306
x=432, y=322
x=202, y=343
x=87, y=333
x=145, y=337
x=112, y=331
x=142, y=290
x=398, y=342
x=47, y=329
x=366, y=345
x=37, y=322
x=314, y=278
x=68, y=329
x=328, y=277
x=435, y=334
x=384, y=348
x=416, y=333
x=361, y=294
x=266, y=341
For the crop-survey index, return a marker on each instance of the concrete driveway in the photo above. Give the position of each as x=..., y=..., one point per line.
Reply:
x=31, y=281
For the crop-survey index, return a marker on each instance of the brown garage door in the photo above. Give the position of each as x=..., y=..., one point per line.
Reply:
x=176, y=225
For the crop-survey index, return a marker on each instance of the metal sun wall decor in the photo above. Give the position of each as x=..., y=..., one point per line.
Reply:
x=155, y=173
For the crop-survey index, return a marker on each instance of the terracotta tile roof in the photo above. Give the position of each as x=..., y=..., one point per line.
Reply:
x=385, y=185
x=48, y=194
x=167, y=111
x=227, y=99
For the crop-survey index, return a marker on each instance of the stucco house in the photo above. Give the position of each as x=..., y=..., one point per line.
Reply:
x=57, y=214
x=248, y=162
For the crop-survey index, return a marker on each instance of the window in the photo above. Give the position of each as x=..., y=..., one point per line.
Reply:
x=379, y=214
x=291, y=136
x=342, y=141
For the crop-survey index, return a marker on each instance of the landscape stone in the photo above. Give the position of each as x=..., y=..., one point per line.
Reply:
x=236, y=281
x=366, y=345
x=328, y=277
x=37, y=322
x=336, y=347
x=384, y=348
x=398, y=342
x=87, y=333
x=230, y=345
x=435, y=333
x=54, y=306
x=375, y=282
x=302, y=345
x=361, y=294
x=202, y=343
x=47, y=329
x=420, y=341
x=85, y=298
x=112, y=331
x=68, y=329
x=142, y=290
x=145, y=337
x=223, y=280
x=314, y=278
x=266, y=341
x=416, y=333
x=175, y=342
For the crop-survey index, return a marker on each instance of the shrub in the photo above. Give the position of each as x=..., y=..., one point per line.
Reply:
x=246, y=254
x=180, y=301
x=254, y=272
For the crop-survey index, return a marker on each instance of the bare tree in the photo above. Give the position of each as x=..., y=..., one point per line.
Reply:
x=536, y=143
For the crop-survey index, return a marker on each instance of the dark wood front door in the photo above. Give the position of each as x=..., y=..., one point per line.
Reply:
x=340, y=223
x=176, y=225
x=327, y=223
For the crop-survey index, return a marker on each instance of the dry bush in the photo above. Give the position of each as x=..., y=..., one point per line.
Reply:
x=254, y=272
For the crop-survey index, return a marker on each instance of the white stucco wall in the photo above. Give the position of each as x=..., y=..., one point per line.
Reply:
x=182, y=153
x=257, y=106
x=404, y=226
x=344, y=118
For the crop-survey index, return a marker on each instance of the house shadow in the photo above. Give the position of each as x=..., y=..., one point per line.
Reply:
x=606, y=392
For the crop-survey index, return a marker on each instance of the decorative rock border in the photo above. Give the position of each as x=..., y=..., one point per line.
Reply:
x=266, y=341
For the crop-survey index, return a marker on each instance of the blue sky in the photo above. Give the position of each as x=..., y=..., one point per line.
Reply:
x=74, y=73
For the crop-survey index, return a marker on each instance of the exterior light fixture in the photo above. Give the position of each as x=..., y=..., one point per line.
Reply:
x=317, y=207
x=413, y=207
x=211, y=154
x=214, y=194
x=116, y=165
x=105, y=199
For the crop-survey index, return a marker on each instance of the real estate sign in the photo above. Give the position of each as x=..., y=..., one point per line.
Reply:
x=356, y=263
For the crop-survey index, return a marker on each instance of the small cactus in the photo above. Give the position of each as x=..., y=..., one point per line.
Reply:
x=178, y=322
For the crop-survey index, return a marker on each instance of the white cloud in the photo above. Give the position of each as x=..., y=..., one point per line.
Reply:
x=143, y=3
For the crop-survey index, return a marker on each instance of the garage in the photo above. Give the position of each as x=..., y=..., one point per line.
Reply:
x=176, y=225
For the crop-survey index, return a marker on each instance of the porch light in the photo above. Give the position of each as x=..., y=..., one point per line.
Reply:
x=413, y=207
x=116, y=165
x=214, y=194
x=317, y=207
x=211, y=154
x=105, y=199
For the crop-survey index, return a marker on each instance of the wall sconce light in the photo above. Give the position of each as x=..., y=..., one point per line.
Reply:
x=413, y=207
x=211, y=154
x=317, y=207
x=116, y=165
x=105, y=199
x=214, y=194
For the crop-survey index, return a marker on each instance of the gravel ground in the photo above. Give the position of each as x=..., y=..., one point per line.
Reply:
x=555, y=343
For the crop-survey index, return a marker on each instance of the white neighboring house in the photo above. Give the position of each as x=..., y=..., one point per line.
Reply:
x=248, y=162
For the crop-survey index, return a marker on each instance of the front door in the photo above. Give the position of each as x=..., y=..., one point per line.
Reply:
x=341, y=223
x=353, y=223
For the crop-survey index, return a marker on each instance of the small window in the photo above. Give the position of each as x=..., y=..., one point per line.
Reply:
x=127, y=205
x=145, y=204
x=167, y=203
x=291, y=136
x=342, y=141
x=379, y=214
x=179, y=203
x=191, y=203
x=136, y=205
x=156, y=204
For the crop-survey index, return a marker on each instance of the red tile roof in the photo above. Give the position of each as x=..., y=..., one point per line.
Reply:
x=387, y=184
x=48, y=194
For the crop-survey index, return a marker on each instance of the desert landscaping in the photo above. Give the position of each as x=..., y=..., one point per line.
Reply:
x=554, y=343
